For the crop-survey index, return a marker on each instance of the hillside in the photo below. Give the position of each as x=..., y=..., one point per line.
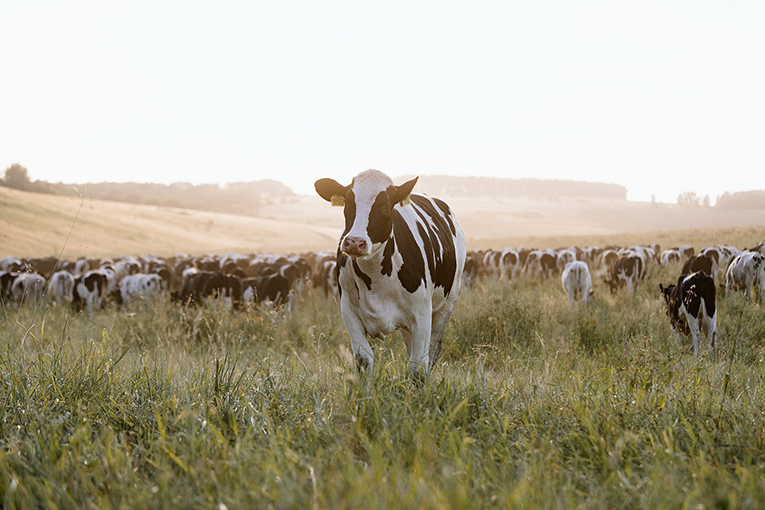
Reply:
x=34, y=224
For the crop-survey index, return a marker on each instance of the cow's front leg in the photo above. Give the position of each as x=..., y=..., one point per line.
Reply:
x=362, y=351
x=419, y=352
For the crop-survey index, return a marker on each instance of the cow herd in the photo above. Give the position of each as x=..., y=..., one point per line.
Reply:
x=690, y=300
x=89, y=284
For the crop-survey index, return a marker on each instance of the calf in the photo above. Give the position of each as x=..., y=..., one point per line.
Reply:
x=691, y=307
x=577, y=282
x=400, y=261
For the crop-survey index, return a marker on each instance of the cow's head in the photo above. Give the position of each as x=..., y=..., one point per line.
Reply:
x=368, y=207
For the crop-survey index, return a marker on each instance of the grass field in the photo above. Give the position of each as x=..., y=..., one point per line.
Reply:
x=533, y=404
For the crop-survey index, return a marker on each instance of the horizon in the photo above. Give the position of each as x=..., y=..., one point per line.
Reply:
x=661, y=99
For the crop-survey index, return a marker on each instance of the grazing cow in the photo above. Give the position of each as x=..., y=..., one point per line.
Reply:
x=210, y=283
x=628, y=270
x=29, y=288
x=698, y=263
x=541, y=263
x=577, y=282
x=510, y=264
x=400, y=262
x=670, y=256
x=565, y=256
x=61, y=286
x=746, y=270
x=471, y=270
x=89, y=288
x=137, y=286
x=691, y=307
x=605, y=262
x=273, y=288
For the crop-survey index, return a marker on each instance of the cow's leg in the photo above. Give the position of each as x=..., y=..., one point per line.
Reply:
x=438, y=326
x=710, y=325
x=693, y=325
x=419, y=357
x=362, y=351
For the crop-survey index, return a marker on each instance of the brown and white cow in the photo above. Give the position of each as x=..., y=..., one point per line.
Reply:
x=400, y=260
x=627, y=271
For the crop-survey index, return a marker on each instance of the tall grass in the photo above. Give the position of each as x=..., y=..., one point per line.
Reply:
x=533, y=404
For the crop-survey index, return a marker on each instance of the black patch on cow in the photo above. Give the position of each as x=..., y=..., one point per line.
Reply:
x=697, y=263
x=446, y=214
x=412, y=271
x=387, y=261
x=380, y=223
x=363, y=276
x=349, y=211
x=439, y=243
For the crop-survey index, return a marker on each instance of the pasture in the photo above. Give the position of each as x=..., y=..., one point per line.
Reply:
x=533, y=404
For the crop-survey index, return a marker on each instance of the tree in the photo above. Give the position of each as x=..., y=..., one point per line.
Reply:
x=688, y=198
x=16, y=177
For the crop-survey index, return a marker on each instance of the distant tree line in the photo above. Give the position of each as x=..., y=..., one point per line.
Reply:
x=244, y=198
x=444, y=185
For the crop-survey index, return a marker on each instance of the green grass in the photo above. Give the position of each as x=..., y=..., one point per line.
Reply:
x=533, y=404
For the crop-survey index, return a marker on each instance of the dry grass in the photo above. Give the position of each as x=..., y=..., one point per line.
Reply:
x=37, y=225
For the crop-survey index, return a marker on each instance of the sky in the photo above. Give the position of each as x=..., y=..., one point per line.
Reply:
x=660, y=97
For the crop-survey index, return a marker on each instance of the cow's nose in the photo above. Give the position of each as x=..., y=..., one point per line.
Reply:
x=354, y=245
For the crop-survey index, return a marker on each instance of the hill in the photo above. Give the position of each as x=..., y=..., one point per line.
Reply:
x=35, y=224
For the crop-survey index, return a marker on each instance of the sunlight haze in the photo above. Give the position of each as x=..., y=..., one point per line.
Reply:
x=659, y=97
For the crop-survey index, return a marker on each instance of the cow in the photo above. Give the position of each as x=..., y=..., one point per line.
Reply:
x=273, y=288
x=133, y=287
x=29, y=288
x=628, y=270
x=541, y=263
x=400, y=260
x=61, y=287
x=746, y=270
x=691, y=308
x=510, y=264
x=89, y=289
x=564, y=256
x=698, y=263
x=577, y=282
x=203, y=284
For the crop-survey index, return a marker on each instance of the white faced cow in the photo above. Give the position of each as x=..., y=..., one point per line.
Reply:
x=400, y=266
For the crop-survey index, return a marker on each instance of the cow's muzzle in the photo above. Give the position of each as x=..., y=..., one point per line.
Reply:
x=354, y=246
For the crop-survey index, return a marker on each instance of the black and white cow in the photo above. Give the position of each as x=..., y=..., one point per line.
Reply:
x=400, y=260
x=746, y=271
x=691, y=307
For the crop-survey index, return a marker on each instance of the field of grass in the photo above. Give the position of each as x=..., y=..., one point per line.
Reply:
x=533, y=404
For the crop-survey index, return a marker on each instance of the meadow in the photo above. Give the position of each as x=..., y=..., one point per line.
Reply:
x=533, y=404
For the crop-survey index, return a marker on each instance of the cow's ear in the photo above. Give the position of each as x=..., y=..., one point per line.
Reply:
x=327, y=188
x=400, y=193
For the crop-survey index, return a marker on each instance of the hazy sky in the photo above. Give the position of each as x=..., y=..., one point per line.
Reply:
x=661, y=97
